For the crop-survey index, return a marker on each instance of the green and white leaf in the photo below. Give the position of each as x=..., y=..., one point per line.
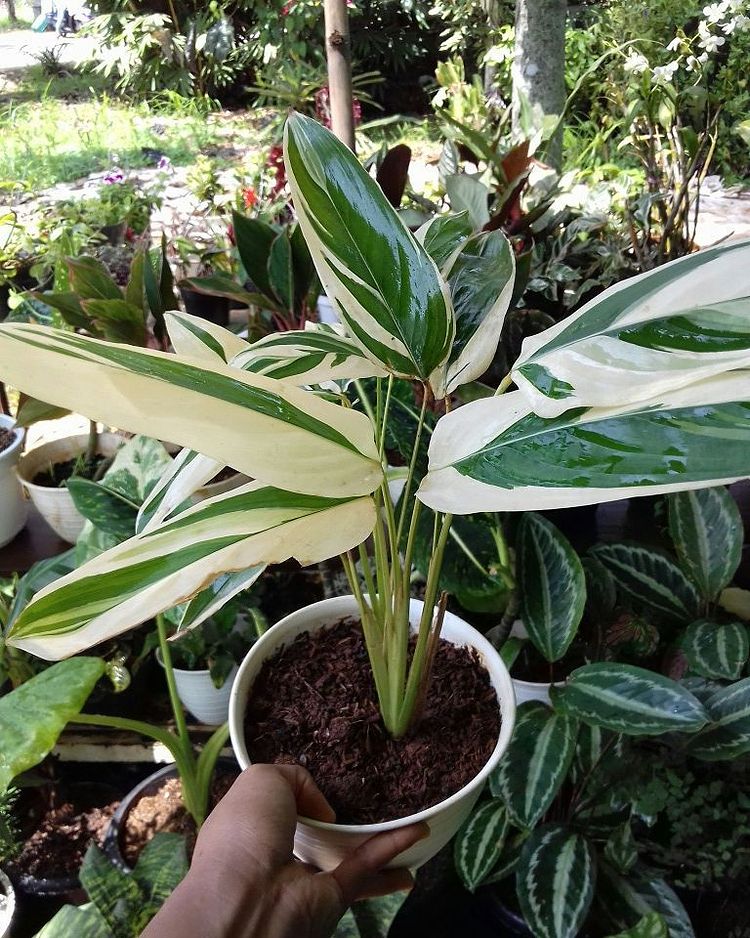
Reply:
x=664, y=900
x=385, y=287
x=644, y=337
x=181, y=479
x=630, y=700
x=555, y=881
x=716, y=651
x=163, y=567
x=707, y=532
x=210, y=600
x=494, y=454
x=480, y=843
x=443, y=238
x=212, y=408
x=552, y=585
x=650, y=926
x=621, y=850
x=198, y=338
x=727, y=736
x=536, y=763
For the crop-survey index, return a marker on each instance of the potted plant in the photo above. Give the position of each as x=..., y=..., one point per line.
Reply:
x=582, y=428
x=12, y=503
x=198, y=260
x=16, y=261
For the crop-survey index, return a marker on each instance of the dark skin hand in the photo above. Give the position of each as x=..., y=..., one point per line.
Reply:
x=245, y=883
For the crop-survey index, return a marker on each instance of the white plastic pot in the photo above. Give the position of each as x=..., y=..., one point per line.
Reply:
x=529, y=690
x=207, y=703
x=7, y=905
x=325, y=845
x=55, y=504
x=13, y=505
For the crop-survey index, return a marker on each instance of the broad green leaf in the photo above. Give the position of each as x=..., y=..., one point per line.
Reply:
x=180, y=479
x=629, y=700
x=32, y=411
x=296, y=439
x=198, y=338
x=385, y=287
x=281, y=271
x=254, y=239
x=644, y=337
x=601, y=588
x=117, y=320
x=163, y=567
x=727, y=735
x=620, y=848
x=552, y=585
x=34, y=714
x=90, y=280
x=536, y=763
x=104, y=508
x=496, y=455
x=70, y=309
x=444, y=236
x=480, y=843
x=225, y=285
x=555, y=881
x=115, y=894
x=468, y=194
x=481, y=280
x=161, y=867
x=716, y=651
x=650, y=926
x=707, y=532
x=651, y=579
x=304, y=269
x=76, y=922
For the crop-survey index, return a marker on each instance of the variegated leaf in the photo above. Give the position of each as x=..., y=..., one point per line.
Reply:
x=663, y=899
x=716, y=651
x=198, y=338
x=298, y=441
x=650, y=926
x=727, y=736
x=316, y=354
x=651, y=579
x=384, y=285
x=644, y=337
x=161, y=568
x=620, y=848
x=629, y=700
x=210, y=600
x=507, y=862
x=444, y=236
x=707, y=532
x=481, y=280
x=496, y=455
x=552, y=585
x=187, y=472
x=480, y=842
x=555, y=881
x=536, y=763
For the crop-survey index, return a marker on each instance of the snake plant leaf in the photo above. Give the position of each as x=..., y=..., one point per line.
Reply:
x=555, y=881
x=552, y=585
x=116, y=894
x=76, y=921
x=181, y=479
x=650, y=926
x=645, y=336
x=481, y=280
x=496, y=455
x=34, y=714
x=537, y=761
x=630, y=700
x=444, y=236
x=480, y=843
x=707, y=532
x=313, y=355
x=716, y=651
x=198, y=338
x=298, y=441
x=727, y=736
x=163, y=567
x=384, y=285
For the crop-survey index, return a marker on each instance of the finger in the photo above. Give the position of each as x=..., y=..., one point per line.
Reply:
x=386, y=882
x=310, y=800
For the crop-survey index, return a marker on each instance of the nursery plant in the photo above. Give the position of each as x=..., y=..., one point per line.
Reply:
x=619, y=399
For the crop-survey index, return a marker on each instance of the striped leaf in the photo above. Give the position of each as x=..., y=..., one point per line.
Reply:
x=116, y=895
x=480, y=842
x=384, y=285
x=73, y=921
x=716, y=651
x=444, y=236
x=595, y=749
x=210, y=600
x=555, y=881
x=313, y=355
x=663, y=899
x=650, y=579
x=163, y=567
x=626, y=900
x=552, y=585
x=161, y=867
x=198, y=338
x=507, y=863
x=727, y=736
x=481, y=280
x=620, y=848
x=185, y=474
x=496, y=455
x=629, y=700
x=650, y=926
x=536, y=763
x=644, y=337
x=707, y=532
x=208, y=407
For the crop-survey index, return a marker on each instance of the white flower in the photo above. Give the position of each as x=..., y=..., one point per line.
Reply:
x=635, y=63
x=692, y=64
x=665, y=73
x=736, y=5
x=675, y=44
x=707, y=40
x=714, y=12
x=740, y=22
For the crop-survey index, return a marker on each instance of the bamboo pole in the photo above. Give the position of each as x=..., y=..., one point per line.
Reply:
x=338, y=52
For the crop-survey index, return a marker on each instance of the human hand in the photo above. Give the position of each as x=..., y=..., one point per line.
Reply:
x=244, y=881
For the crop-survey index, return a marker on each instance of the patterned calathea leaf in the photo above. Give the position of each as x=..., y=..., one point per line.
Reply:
x=727, y=736
x=555, y=881
x=716, y=651
x=163, y=567
x=552, y=585
x=385, y=287
x=198, y=338
x=707, y=532
x=496, y=455
x=629, y=700
x=620, y=848
x=626, y=900
x=480, y=843
x=644, y=337
x=536, y=763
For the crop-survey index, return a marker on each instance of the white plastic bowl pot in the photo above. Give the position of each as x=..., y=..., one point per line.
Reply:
x=325, y=845
x=13, y=505
x=55, y=505
x=530, y=690
x=208, y=704
x=7, y=905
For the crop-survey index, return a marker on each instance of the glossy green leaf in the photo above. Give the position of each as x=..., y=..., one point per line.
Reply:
x=536, y=763
x=117, y=320
x=629, y=700
x=104, y=508
x=727, y=735
x=444, y=236
x=281, y=271
x=716, y=651
x=254, y=239
x=90, y=280
x=467, y=193
x=199, y=338
x=479, y=844
x=551, y=583
x=650, y=926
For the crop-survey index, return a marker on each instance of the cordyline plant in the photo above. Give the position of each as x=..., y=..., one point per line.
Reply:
x=642, y=392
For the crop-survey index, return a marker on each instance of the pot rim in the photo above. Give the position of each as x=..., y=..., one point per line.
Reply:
x=201, y=671
x=536, y=684
x=268, y=643
x=81, y=438
x=8, y=423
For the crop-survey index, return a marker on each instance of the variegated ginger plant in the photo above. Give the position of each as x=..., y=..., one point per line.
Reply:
x=645, y=390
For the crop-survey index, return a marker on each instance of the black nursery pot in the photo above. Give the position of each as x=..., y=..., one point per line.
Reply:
x=213, y=309
x=115, y=234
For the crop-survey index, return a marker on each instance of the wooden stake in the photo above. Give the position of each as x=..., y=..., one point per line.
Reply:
x=338, y=52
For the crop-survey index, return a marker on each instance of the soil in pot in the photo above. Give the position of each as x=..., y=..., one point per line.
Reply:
x=7, y=438
x=57, y=474
x=314, y=703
